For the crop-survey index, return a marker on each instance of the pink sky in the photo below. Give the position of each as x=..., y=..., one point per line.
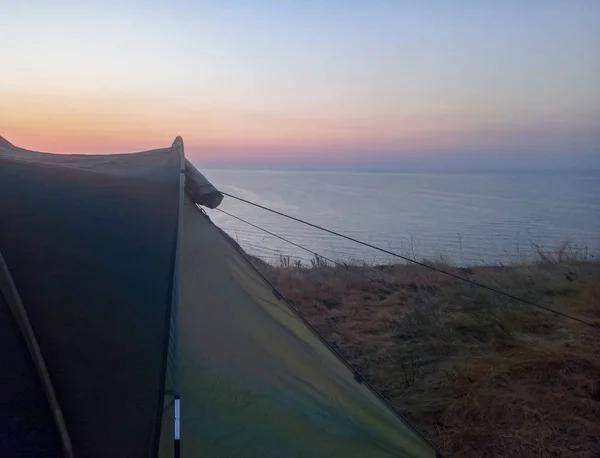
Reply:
x=301, y=82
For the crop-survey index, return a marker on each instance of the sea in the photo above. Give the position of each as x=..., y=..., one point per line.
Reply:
x=461, y=217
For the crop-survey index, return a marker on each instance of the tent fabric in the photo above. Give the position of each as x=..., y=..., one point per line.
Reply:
x=147, y=164
x=10, y=296
x=134, y=295
x=199, y=188
x=166, y=441
x=90, y=246
x=256, y=380
x=27, y=427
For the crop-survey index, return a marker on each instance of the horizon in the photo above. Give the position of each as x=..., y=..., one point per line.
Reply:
x=295, y=84
x=452, y=162
x=397, y=170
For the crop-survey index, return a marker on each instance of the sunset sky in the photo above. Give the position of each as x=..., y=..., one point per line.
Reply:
x=331, y=80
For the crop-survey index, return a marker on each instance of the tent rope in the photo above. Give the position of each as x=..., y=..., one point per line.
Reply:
x=358, y=377
x=314, y=253
x=422, y=264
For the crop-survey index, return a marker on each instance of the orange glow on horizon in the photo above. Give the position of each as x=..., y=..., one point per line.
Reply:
x=79, y=124
x=95, y=125
x=300, y=82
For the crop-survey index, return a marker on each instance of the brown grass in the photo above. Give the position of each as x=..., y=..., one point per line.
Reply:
x=479, y=375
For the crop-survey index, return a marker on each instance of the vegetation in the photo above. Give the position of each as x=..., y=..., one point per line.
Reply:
x=478, y=374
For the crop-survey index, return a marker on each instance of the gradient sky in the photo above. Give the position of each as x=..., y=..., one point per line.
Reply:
x=331, y=80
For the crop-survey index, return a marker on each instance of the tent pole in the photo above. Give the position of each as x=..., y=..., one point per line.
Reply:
x=13, y=299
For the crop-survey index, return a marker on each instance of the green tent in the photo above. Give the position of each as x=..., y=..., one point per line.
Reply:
x=130, y=326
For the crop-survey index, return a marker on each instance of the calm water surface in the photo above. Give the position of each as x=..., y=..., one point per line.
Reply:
x=467, y=218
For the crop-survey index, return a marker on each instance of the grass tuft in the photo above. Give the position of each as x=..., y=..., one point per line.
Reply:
x=480, y=375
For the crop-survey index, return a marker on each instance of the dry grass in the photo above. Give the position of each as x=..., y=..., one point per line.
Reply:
x=479, y=375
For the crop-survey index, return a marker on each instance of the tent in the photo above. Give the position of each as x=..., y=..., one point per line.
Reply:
x=132, y=326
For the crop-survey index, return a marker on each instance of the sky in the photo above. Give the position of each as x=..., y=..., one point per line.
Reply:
x=307, y=82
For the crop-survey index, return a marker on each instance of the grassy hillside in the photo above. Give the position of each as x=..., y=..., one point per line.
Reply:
x=479, y=375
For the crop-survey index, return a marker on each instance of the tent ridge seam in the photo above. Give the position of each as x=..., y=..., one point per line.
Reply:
x=170, y=320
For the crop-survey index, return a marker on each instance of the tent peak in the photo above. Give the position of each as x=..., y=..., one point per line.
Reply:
x=5, y=142
x=178, y=142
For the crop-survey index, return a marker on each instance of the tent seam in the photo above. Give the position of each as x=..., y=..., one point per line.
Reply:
x=178, y=144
